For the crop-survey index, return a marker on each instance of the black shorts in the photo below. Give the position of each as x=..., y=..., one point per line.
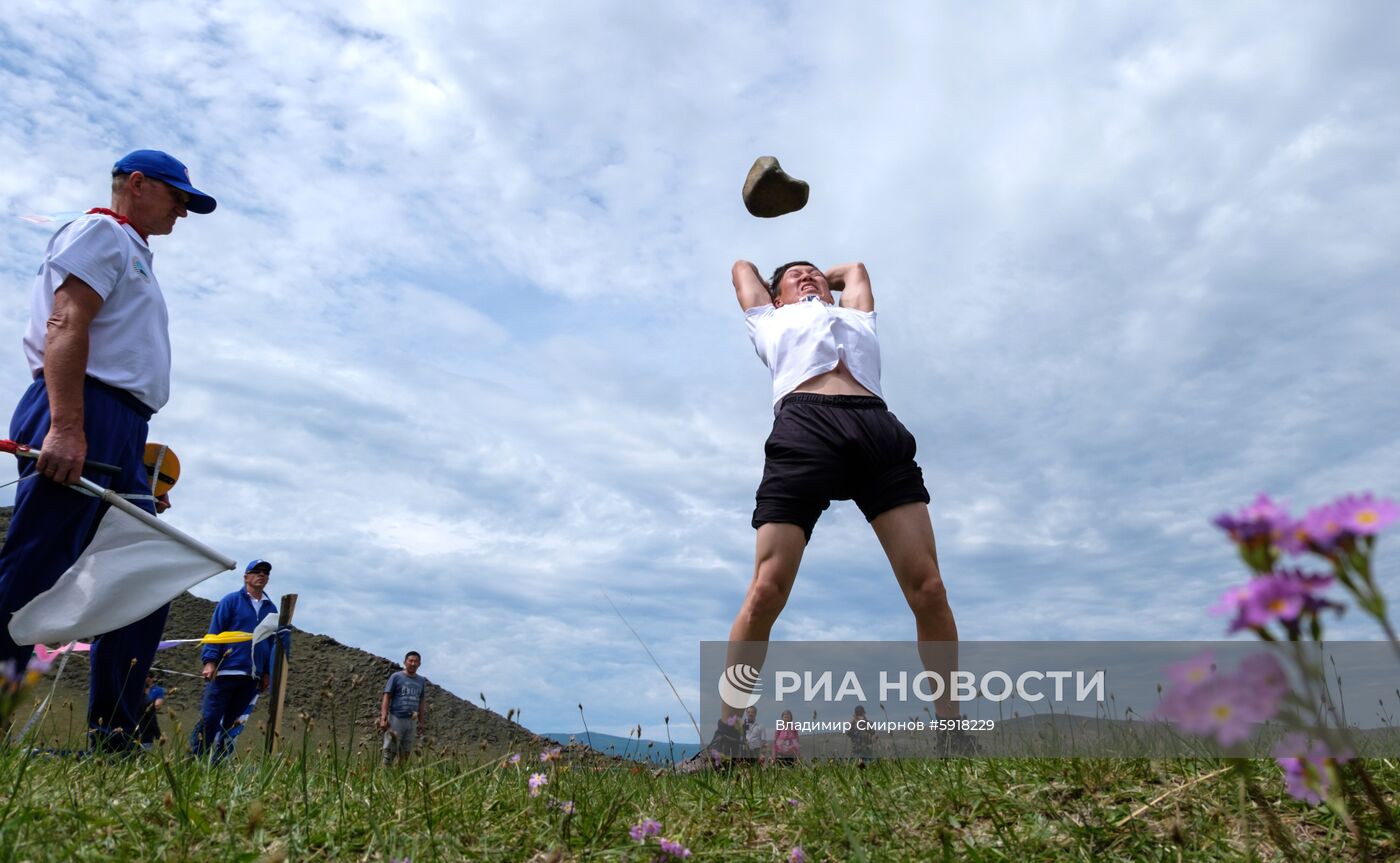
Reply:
x=826, y=448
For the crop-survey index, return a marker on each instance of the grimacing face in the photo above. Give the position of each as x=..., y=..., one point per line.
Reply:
x=802, y=280
x=411, y=663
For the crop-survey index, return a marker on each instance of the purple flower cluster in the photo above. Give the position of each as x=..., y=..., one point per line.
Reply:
x=1226, y=707
x=1323, y=530
x=1283, y=596
x=670, y=849
x=1206, y=701
x=551, y=754
x=648, y=827
x=1309, y=767
x=1264, y=520
x=797, y=855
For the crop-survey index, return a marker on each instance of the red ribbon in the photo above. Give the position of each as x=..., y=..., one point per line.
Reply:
x=103, y=211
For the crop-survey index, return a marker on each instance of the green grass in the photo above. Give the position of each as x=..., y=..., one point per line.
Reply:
x=332, y=804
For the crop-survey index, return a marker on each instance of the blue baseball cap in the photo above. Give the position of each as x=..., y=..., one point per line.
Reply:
x=254, y=564
x=167, y=169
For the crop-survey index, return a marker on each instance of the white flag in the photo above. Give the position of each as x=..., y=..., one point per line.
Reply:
x=133, y=566
x=266, y=628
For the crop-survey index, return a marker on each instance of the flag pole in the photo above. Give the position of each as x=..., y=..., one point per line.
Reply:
x=146, y=518
x=280, y=668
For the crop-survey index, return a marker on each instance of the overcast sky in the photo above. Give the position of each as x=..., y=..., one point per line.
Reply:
x=459, y=354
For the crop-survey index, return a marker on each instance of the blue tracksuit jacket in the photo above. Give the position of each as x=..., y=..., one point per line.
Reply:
x=235, y=613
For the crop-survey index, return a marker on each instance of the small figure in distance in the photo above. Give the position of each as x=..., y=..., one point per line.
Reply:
x=862, y=737
x=787, y=747
x=403, y=710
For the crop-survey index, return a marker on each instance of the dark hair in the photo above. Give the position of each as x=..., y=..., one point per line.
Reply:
x=778, y=275
x=413, y=653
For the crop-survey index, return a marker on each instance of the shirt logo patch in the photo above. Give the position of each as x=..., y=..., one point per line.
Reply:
x=140, y=269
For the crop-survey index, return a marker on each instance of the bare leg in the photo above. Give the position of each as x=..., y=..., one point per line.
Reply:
x=906, y=534
x=776, y=558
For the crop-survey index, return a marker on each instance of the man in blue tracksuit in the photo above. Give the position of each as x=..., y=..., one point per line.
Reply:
x=236, y=672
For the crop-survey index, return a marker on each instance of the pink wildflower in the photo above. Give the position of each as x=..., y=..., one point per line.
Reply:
x=675, y=850
x=1321, y=528
x=1309, y=768
x=514, y=759
x=1220, y=708
x=1364, y=515
x=1263, y=520
x=797, y=855
x=1283, y=596
x=1194, y=670
x=537, y=781
x=566, y=806
x=648, y=827
x=550, y=754
x=1265, y=679
x=1226, y=706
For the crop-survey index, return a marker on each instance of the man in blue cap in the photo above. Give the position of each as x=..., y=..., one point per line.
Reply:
x=236, y=672
x=98, y=346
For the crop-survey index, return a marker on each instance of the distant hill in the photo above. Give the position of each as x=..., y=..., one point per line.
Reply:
x=654, y=751
x=335, y=686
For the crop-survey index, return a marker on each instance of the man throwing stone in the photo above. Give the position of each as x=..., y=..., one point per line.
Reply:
x=98, y=346
x=403, y=711
x=833, y=438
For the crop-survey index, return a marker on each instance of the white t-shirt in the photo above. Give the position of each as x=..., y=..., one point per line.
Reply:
x=802, y=340
x=129, y=341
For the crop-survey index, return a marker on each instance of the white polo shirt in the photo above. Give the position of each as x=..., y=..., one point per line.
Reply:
x=802, y=340
x=129, y=341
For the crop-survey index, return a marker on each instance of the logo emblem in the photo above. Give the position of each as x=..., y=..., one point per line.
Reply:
x=740, y=687
x=140, y=270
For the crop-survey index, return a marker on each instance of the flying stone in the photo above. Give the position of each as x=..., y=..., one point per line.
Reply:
x=770, y=192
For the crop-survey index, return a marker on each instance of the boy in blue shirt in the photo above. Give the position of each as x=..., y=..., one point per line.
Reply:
x=148, y=726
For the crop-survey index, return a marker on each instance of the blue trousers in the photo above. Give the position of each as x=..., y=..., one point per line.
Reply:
x=226, y=697
x=51, y=526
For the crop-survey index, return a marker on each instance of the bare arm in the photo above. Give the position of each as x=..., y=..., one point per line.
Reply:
x=749, y=286
x=75, y=304
x=384, y=711
x=854, y=284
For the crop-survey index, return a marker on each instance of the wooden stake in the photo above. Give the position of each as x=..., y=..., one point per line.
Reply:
x=278, y=691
